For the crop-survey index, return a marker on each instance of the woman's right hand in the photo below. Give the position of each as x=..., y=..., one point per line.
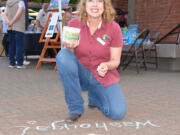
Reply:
x=71, y=44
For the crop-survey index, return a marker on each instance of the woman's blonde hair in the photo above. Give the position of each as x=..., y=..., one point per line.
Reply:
x=108, y=14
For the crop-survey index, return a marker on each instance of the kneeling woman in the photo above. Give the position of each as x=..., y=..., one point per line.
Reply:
x=90, y=63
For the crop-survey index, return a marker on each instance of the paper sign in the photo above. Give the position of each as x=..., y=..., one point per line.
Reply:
x=52, y=25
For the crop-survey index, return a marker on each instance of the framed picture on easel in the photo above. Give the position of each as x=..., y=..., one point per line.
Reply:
x=52, y=25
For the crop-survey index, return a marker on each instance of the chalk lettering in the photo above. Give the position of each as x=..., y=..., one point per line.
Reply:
x=26, y=128
x=42, y=128
x=115, y=124
x=67, y=126
x=144, y=124
x=61, y=125
x=55, y=127
x=85, y=125
x=102, y=126
x=129, y=124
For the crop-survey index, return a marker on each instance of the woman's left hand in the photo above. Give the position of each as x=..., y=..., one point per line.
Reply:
x=71, y=44
x=102, y=69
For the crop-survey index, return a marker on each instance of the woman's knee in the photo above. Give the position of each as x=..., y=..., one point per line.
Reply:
x=117, y=113
x=66, y=61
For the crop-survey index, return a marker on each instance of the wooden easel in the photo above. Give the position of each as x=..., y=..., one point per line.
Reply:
x=50, y=43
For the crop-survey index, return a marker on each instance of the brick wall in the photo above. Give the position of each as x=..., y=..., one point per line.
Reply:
x=162, y=15
x=122, y=4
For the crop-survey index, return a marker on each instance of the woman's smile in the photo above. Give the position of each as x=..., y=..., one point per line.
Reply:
x=94, y=10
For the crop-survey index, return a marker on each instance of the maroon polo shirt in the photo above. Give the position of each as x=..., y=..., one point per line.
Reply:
x=95, y=49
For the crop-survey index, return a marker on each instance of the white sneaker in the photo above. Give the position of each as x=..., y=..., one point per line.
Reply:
x=20, y=67
x=26, y=62
x=11, y=66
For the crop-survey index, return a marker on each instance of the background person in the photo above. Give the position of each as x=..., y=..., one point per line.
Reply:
x=42, y=17
x=32, y=26
x=4, y=24
x=5, y=40
x=1, y=26
x=64, y=3
x=15, y=19
x=91, y=63
x=1, y=35
x=68, y=15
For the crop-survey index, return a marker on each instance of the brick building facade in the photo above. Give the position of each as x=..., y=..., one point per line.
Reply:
x=122, y=4
x=161, y=15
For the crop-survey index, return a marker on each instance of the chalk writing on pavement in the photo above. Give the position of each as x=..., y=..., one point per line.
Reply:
x=60, y=125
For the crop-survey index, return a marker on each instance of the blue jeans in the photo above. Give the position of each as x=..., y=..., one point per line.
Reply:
x=75, y=78
x=16, y=47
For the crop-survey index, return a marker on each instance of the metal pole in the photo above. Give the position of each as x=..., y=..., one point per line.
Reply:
x=60, y=18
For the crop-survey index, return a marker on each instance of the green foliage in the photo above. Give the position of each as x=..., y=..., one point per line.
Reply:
x=74, y=1
x=47, y=1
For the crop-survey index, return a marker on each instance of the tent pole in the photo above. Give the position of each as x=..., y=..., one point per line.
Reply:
x=60, y=18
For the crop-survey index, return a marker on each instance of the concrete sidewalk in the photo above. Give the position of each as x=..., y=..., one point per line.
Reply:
x=32, y=103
